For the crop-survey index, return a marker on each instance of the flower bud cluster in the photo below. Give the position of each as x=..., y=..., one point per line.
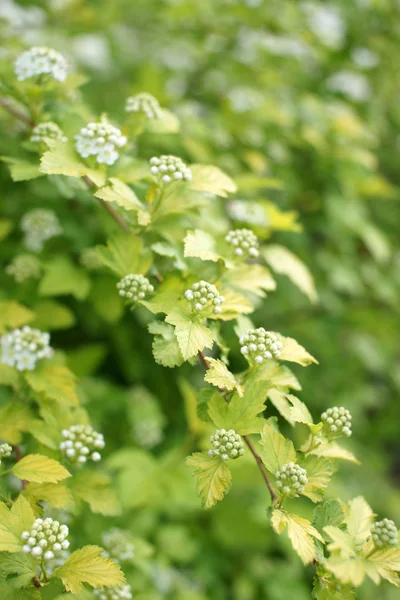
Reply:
x=134, y=288
x=81, y=444
x=46, y=539
x=39, y=225
x=123, y=592
x=384, y=533
x=41, y=61
x=118, y=545
x=101, y=140
x=291, y=479
x=22, y=348
x=144, y=103
x=48, y=130
x=167, y=168
x=226, y=444
x=203, y=295
x=259, y=345
x=337, y=422
x=24, y=266
x=5, y=451
x=244, y=241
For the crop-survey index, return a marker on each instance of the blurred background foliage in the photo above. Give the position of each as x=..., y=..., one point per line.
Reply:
x=298, y=101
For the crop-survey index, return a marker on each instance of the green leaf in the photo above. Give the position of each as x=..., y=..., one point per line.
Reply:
x=6, y=226
x=234, y=305
x=8, y=375
x=285, y=262
x=13, y=315
x=14, y=419
x=199, y=244
x=219, y=375
x=327, y=587
x=62, y=277
x=348, y=570
x=250, y=278
x=40, y=469
x=207, y=178
x=300, y=531
x=359, y=520
x=22, y=170
x=241, y=412
x=333, y=450
x=10, y=593
x=124, y=254
x=166, y=349
x=55, y=381
x=55, y=494
x=87, y=565
x=97, y=490
x=319, y=472
x=213, y=477
x=293, y=352
x=276, y=449
x=385, y=563
x=13, y=522
x=192, y=335
x=21, y=566
x=341, y=541
x=328, y=513
x=299, y=411
x=51, y=315
x=62, y=159
x=122, y=195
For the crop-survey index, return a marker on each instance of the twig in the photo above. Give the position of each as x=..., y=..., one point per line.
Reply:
x=15, y=112
x=106, y=205
x=249, y=443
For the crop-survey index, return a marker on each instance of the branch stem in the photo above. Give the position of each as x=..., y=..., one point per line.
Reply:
x=15, y=112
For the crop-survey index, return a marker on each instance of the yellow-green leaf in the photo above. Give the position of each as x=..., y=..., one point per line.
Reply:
x=62, y=159
x=300, y=531
x=13, y=315
x=293, y=352
x=285, y=262
x=219, y=375
x=87, y=565
x=250, y=278
x=319, y=472
x=40, y=469
x=124, y=254
x=207, y=178
x=191, y=334
x=56, y=494
x=276, y=449
x=121, y=194
x=213, y=477
x=96, y=488
x=200, y=244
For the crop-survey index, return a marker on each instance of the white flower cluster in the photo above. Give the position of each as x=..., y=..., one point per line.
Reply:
x=384, y=533
x=24, y=266
x=226, y=444
x=22, y=348
x=244, y=241
x=39, y=225
x=259, y=345
x=167, y=168
x=248, y=212
x=123, y=592
x=144, y=103
x=134, y=287
x=147, y=433
x=202, y=295
x=5, y=451
x=118, y=545
x=46, y=539
x=291, y=479
x=81, y=443
x=101, y=140
x=48, y=130
x=41, y=61
x=337, y=422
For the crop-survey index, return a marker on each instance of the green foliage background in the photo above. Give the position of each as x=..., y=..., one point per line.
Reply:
x=250, y=84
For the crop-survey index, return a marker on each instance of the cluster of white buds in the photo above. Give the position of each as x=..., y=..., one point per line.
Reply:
x=144, y=103
x=226, y=444
x=5, y=451
x=259, y=345
x=46, y=131
x=122, y=592
x=46, y=539
x=244, y=241
x=118, y=545
x=39, y=225
x=337, y=422
x=203, y=295
x=384, y=533
x=134, y=288
x=291, y=479
x=167, y=168
x=81, y=444
x=22, y=348
x=101, y=140
x=39, y=61
x=24, y=266
x=90, y=259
